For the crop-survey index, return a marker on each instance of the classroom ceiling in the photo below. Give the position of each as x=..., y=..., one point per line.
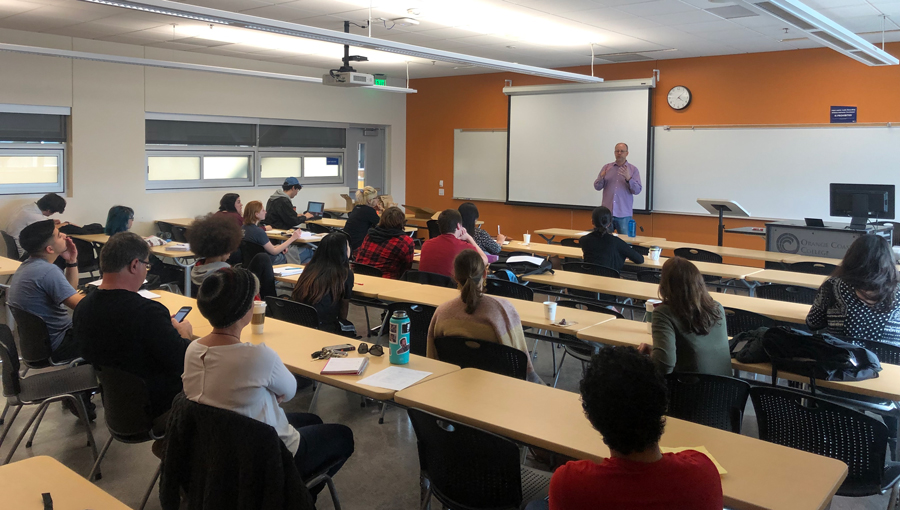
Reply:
x=545, y=33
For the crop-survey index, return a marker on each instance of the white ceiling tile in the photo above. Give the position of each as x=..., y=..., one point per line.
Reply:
x=625, y=25
x=230, y=5
x=831, y=4
x=683, y=18
x=850, y=11
x=88, y=31
x=12, y=7
x=283, y=12
x=657, y=7
x=708, y=26
x=862, y=23
x=557, y=6
x=590, y=16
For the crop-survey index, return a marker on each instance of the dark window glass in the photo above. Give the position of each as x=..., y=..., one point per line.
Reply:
x=302, y=136
x=31, y=127
x=171, y=132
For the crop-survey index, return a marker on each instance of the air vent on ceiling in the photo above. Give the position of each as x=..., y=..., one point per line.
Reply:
x=624, y=57
x=778, y=12
x=731, y=12
x=831, y=39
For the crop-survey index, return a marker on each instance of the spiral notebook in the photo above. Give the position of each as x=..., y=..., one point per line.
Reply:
x=345, y=366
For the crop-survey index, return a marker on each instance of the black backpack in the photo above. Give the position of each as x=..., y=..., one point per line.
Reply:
x=818, y=356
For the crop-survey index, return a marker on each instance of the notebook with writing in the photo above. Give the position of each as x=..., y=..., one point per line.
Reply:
x=345, y=366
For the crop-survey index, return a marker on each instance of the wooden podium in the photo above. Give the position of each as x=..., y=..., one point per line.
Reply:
x=423, y=213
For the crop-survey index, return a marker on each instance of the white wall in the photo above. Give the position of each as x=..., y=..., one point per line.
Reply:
x=109, y=102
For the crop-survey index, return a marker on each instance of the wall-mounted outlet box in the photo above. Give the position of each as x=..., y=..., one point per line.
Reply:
x=441, y=192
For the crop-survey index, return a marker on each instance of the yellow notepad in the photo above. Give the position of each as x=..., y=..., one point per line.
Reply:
x=701, y=449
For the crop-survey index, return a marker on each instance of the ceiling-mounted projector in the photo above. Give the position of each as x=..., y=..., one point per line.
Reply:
x=348, y=79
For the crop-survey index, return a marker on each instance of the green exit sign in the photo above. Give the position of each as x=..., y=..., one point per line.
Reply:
x=380, y=81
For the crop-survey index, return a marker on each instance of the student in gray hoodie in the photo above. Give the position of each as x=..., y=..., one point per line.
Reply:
x=280, y=211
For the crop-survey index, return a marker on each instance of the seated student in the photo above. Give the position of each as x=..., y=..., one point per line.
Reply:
x=363, y=216
x=475, y=315
x=602, y=247
x=282, y=213
x=40, y=287
x=326, y=283
x=438, y=253
x=286, y=252
x=120, y=219
x=46, y=206
x=469, y=213
x=230, y=206
x=624, y=398
x=387, y=246
x=689, y=333
x=861, y=299
x=250, y=379
x=117, y=327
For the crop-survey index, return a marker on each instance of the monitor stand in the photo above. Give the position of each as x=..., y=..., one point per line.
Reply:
x=858, y=223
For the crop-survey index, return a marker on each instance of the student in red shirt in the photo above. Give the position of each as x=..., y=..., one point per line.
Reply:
x=438, y=253
x=624, y=397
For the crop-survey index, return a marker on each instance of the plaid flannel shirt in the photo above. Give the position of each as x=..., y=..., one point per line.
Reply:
x=393, y=257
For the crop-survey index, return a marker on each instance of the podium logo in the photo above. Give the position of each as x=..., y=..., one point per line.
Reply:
x=787, y=243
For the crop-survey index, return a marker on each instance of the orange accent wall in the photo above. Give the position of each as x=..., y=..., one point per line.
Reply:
x=788, y=87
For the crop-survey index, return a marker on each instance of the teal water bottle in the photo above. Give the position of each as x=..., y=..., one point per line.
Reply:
x=399, y=338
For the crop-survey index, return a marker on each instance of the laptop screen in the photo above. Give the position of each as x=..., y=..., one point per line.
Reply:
x=316, y=208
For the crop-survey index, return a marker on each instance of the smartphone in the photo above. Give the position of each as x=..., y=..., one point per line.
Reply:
x=183, y=313
x=341, y=347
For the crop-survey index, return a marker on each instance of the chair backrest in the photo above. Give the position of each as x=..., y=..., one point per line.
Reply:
x=88, y=262
x=568, y=303
x=367, y=270
x=315, y=228
x=426, y=278
x=508, y=289
x=588, y=268
x=34, y=338
x=791, y=293
x=433, y=229
x=649, y=276
x=643, y=250
x=572, y=242
x=698, y=255
x=487, y=356
x=419, y=321
x=9, y=356
x=468, y=468
x=292, y=311
x=12, y=251
x=248, y=251
x=711, y=400
x=738, y=321
x=886, y=353
x=812, y=268
x=799, y=420
x=126, y=405
x=165, y=228
x=179, y=234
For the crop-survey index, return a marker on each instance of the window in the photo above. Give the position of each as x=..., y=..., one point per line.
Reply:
x=32, y=153
x=309, y=168
x=170, y=170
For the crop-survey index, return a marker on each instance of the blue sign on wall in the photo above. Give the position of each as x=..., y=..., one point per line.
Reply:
x=336, y=161
x=843, y=115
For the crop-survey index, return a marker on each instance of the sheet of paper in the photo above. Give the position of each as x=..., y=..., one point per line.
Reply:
x=580, y=234
x=147, y=294
x=177, y=247
x=525, y=258
x=394, y=378
x=98, y=282
x=287, y=271
x=701, y=449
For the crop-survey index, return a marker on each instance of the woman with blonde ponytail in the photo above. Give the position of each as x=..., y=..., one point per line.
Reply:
x=363, y=216
x=475, y=315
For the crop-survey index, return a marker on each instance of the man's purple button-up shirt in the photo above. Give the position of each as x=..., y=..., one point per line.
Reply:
x=618, y=194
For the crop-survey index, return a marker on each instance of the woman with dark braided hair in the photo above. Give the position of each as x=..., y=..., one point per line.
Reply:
x=601, y=247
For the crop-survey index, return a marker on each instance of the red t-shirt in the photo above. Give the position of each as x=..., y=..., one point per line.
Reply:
x=438, y=254
x=679, y=480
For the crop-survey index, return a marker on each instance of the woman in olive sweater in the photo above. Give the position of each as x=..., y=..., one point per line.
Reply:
x=689, y=332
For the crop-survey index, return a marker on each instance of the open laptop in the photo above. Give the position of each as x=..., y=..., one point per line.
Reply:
x=316, y=208
x=814, y=222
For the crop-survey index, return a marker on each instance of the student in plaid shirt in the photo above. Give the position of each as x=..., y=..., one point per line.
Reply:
x=387, y=246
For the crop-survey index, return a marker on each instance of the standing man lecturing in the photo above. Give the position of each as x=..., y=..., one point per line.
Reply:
x=620, y=181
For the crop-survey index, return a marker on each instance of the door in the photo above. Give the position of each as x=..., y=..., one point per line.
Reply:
x=365, y=158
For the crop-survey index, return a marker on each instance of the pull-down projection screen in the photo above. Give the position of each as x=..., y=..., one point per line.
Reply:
x=558, y=142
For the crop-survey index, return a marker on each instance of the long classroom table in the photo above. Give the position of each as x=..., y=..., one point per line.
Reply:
x=341, y=223
x=295, y=344
x=23, y=482
x=778, y=310
x=551, y=233
x=273, y=234
x=183, y=258
x=8, y=266
x=633, y=333
x=760, y=474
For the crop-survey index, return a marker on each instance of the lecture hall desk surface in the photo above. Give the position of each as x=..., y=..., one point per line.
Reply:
x=23, y=482
x=8, y=266
x=760, y=474
x=550, y=233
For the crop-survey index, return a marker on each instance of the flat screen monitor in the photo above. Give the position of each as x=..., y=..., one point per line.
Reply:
x=862, y=201
x=317, y=208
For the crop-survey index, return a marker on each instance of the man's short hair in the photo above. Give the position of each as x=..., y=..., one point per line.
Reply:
x=214, y=235
x=623, y=143
x=53, y=203
x=35, y=237
x=392, y=218
x=448, y=220
x=120, y=250
x=625, y=399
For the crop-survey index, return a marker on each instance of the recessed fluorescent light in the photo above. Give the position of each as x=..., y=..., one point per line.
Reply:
x=166, y=64
x=169, y=8
x=822, y=29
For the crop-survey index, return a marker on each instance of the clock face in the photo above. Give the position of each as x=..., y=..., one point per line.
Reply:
x=679, y=97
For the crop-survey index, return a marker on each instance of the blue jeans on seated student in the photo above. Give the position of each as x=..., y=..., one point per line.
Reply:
x=538, y=504
x=620, y=224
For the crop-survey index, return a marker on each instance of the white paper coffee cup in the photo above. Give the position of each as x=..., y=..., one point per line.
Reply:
x=526, y=238
x=550, y=311
x=257, y=322
x=654, y=252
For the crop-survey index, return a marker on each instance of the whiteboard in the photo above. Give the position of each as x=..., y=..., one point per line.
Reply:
x=479, y=164
x=780, y=173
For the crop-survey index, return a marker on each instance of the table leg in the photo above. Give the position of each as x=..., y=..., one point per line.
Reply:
x=550, y=240
x=183, y=263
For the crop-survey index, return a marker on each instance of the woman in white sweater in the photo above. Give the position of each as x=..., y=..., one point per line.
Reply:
x=249, y=379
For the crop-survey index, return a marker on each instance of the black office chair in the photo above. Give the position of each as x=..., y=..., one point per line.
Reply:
x=572, y=242
x=34, y=340
x=471, y=469
x=591, y=269
x=426, y=278
x=165, y=228
x=40, y=390
x=433, y=229
x=367, y=270
x=738, y=321
x=179, y=234
x=419, y=321
x=711, y=400
x=248, y=251
x=315, y=228
x=790, y=293
x=649, y=276
x=12, y=251
x=643, y=250
x=292, y=311
x=126, y=409
x=698, y=255
x=573, y=346
x=508, y=289
x=483, y=355
x=812, y=268
x=816, y=425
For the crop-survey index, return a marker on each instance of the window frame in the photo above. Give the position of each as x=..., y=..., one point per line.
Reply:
x=36, y=149
x=202, y=153
x=302, y=154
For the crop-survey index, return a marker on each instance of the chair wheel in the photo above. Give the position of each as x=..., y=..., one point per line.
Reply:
x=381, y=421
x=98, y=476
x=28, y=444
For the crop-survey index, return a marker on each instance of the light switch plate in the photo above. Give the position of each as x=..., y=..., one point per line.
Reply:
x=441, y=183
x=441, y=192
